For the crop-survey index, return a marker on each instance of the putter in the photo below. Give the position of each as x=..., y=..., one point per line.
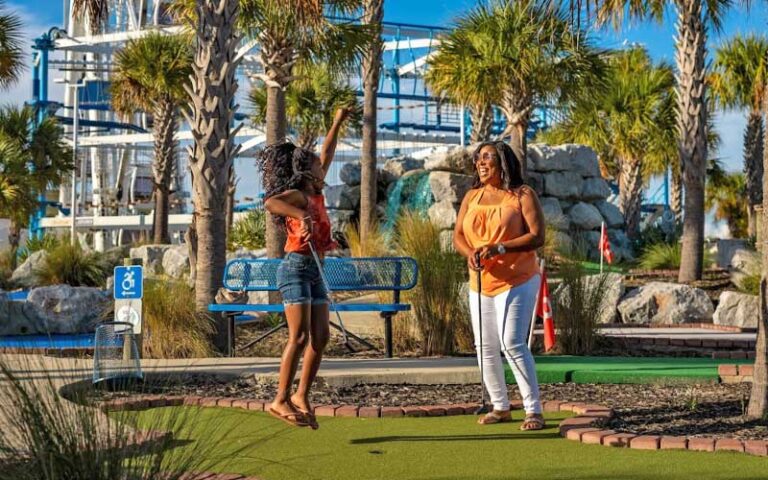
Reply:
x=483, y=406
x=330, y=296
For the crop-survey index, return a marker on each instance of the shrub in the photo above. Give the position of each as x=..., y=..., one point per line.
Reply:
x=376, y=245
x=249, y=232
x=71, y=265
x=750, y=284
x=46, y=436
x=577, y=304
x=439, y=307
x=47, y=242
x=174, y=330
x=665, y=256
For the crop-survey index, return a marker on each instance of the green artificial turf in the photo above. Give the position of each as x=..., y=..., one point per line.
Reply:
x=434, y=448
x=557, y=369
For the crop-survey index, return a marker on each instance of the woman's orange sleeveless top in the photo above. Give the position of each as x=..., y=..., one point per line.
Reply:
x=321, y=229
x=491, y=224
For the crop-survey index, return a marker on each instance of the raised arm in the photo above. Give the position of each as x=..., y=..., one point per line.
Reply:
x=331, y=139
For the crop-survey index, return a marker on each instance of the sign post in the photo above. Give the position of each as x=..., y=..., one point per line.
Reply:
x=128, y=292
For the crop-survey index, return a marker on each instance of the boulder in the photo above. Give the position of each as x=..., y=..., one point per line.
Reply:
x=24, y=275
x=351, y=173
x=666, y=304
x=737, y=310
x=611, y=213
x=176, y=261
x=18, y=318
x=115, y=255
x=613, y=290
x=583, y=160
x=585, y=216
x=448, y=186
x=66, y=309
x=726, y=248
x=536, y=181
x=336, y=197
x=395, y=168
x=544, y=158
x=443, y=214
x=245, y=253
x=455, y=160
x=744, y=263
x=562, y=241
x=340, y=219
x=151, y=257
x=595, y=188
x=565, y=185
x=550, y=206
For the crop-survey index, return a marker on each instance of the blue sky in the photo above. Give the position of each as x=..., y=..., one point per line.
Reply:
x=658, y=38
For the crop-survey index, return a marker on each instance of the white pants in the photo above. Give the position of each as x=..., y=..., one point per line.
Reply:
x=506, y=322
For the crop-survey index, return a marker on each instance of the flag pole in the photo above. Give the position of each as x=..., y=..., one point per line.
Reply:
x=600, y=245
x=535, y=305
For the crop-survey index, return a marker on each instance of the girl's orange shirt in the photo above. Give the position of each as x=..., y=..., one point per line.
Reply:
x=491, y=224
x=321, y=229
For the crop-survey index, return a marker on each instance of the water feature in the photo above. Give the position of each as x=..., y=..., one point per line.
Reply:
x=411, y=192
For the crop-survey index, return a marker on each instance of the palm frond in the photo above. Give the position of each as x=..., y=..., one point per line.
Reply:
x=11, y=54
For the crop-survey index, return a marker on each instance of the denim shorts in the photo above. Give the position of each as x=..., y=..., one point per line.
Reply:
x=299, y=281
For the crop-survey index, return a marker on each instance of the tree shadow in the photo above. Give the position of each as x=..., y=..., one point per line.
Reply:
x=453, y=438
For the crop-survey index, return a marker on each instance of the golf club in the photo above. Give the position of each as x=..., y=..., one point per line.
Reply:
x=483, y=406
x=330, y=297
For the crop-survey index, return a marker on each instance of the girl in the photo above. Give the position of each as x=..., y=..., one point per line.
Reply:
x=293, y=179
x=501, y=223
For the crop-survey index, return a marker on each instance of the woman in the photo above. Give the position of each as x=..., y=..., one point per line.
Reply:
x=499, y=227
x=294, y=179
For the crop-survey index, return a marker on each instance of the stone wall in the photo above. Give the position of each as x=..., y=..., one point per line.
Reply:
x=566, y=177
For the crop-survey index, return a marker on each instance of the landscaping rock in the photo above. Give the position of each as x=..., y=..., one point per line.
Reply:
x=151, y=257
x=585, y=216
x=549, y=159
x=443, y=214
x=66, y=309
x=395, y=168
x=18, y=318
x=340, y=219
x=115, y=255
x=536, y=181
x=448, y=186
x=351, y=173
x=667, y=304
x=245, y=253
x=583, y=160
x=455, y=160
x=737, y=310
x=726, y=248
x=613, y=287
x=744, y=263
x=24, y=275
x=595, y=188
x=611, y=213
x=563, y=242
x=336, y=197
x=551, y=207
x=176, y=261
x=563, y=185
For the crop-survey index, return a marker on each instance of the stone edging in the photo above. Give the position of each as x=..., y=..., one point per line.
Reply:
x=735, y=373
x=586, y=427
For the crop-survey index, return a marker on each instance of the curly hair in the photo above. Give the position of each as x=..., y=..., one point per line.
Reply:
x=284, y=166
x=511, y=175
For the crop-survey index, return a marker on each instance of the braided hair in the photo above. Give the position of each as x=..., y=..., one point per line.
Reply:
x=284, y=167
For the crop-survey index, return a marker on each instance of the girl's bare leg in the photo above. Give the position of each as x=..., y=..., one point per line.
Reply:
x=298, y=319
x=318, y=339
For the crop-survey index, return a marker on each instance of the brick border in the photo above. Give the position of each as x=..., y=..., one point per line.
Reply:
x=731, y=373
x=588, y=426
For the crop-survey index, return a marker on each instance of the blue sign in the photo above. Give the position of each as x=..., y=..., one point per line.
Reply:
x=129, y=283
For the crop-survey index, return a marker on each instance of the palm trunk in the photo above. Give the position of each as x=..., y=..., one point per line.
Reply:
x=758, y=399
x=373, y=15
x=630, y=194
x=482, y=122
x=676, y=194
x=211, y=111
x=692, y=128
x=753, y=167
x=230, y=207
x=162, y=167
x=275, y=237
x=14, y=235
x=517, y=110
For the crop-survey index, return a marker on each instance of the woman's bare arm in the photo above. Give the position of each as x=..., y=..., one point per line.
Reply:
x=534, y=219
x=328, y=149
x=459, y=240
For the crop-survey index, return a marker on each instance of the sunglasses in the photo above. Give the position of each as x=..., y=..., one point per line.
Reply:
x=487, y=157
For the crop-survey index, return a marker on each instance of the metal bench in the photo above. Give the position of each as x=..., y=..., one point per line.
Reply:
x=393, y=274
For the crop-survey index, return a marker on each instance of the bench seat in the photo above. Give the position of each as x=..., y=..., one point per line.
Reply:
x=339, y=307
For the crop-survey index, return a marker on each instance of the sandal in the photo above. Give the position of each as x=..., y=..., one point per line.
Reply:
x=311, y=419
x=496, y=416
x=533, y=421
x=291, y=418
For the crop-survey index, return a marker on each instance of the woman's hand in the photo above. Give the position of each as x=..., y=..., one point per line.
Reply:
x=306, y=228
x=474, y=260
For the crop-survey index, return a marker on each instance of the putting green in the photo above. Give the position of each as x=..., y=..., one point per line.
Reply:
x=557, y=369
x=433, y=448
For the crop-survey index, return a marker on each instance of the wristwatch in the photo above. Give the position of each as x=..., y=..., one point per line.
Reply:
x=501, y=249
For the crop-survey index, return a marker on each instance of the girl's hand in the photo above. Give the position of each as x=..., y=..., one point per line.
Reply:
x=341, y=114
x=306, y=228
x=474, y=260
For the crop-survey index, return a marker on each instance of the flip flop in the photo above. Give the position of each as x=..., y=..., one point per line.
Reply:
x=533, y=422
x=494, y=417
x=291, y=418
x=311, y=419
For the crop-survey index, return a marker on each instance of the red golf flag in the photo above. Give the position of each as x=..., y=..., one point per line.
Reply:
x=605, y=245
x=544, y=310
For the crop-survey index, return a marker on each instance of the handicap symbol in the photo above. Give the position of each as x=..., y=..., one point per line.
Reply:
x=128, y=282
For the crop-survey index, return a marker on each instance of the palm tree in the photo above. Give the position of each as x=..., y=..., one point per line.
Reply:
x=725, y=194
x=630, y=122
x=150, y=74
x=694, y=18
x=11, y=55
x=96, y=11
x=738, y=82
x=33, y=158
x=532, y=53
x=211, y=111
x=373, y=14
x=456, y=73
x=310, y=103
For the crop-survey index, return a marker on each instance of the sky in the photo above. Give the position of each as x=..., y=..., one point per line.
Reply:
x=39, y=15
